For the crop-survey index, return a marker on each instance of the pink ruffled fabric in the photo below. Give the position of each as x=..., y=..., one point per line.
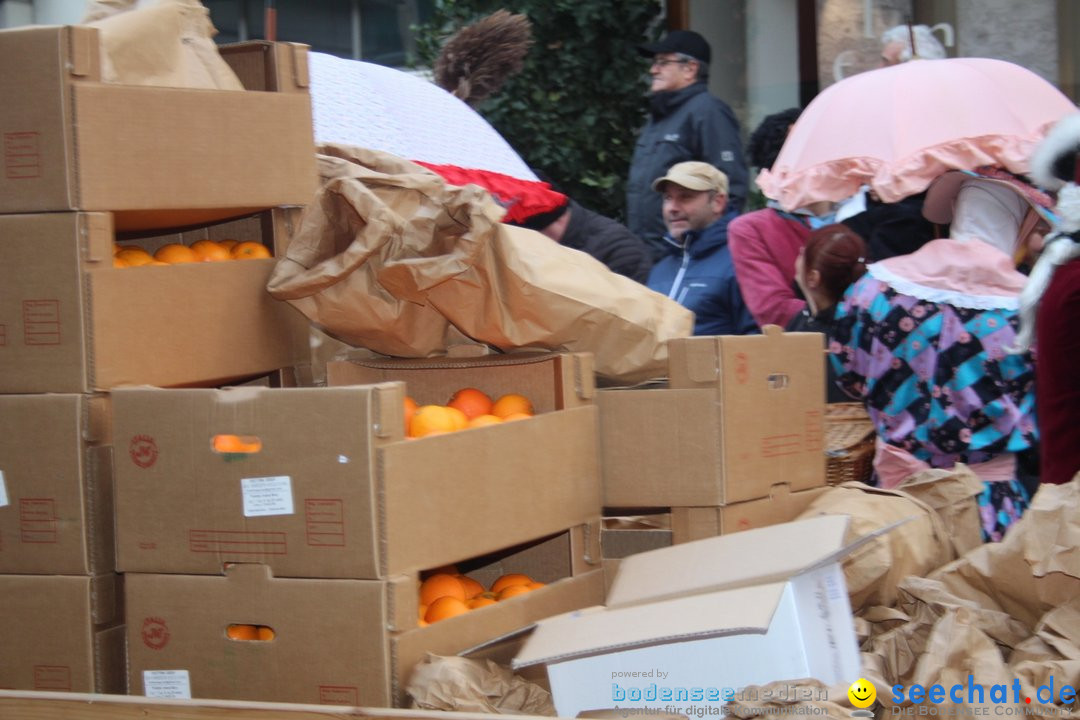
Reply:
x=891, y=181
x=963, y=273
x=897, y=128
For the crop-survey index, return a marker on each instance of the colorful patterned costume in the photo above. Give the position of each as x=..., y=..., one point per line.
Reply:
x=937, y=378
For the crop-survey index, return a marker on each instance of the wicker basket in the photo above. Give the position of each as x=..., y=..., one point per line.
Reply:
x=849, y=443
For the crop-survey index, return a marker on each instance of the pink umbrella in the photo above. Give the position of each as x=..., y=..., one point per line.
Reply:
x=898, y=128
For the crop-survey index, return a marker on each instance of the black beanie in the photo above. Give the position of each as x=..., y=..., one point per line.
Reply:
x=539, y=221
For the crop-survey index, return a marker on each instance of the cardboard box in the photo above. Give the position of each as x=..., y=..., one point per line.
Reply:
x=334, y=641
x=686, y=524
x=692, y=624
x=335, y=490
x=62, y=632
x=741, y=414
x=552, y=381
x=782, y=505
x=56, y=504
x=156, y=157
x=71, y=322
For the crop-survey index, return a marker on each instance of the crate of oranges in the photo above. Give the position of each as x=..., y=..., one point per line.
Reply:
x=239, y=635
x=83, y=308
x=339, y=482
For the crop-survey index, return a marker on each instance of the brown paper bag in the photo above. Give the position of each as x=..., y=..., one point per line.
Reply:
x=1035, y=568
x=914, y=547
x=553, y=297
x=169, y=44
x=392, y=258
x=471, y=685
x=953, y=494
x=349, y=240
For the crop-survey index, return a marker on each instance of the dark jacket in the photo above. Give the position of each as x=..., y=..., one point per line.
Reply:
x=688, y=124
x=700, y=275
x=609, y=241
x=823, y=323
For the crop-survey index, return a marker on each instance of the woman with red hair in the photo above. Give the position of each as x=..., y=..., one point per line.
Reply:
x=834, y=257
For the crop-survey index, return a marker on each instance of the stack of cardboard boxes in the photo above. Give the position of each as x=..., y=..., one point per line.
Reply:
x=83, y=164
x=134, y=391
x=302, y=514
x=733, y=440
x=326, y=526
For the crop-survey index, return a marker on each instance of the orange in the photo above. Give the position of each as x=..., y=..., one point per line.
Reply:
x=175, y=253
x=422, y=623
x=210, y=251
x=535, y=585
x=512, y=403
x=410, y=408
x=249, y=249
x=120, y=262
x=438, y=586
x=480, y=601
x=423, y=611
x=457, y=418
x=517, y=416
x=227, y=244
x=482, y=420
x=431, y=420
x=236, y=444
x=445, y=607
x=242, y=632
x=471, y=401
x=472, y=588
x=134, y=256
x=265, y=633
x=510, y=579
x=512, y=591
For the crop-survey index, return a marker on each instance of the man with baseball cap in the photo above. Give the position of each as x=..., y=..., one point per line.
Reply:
x=685, y=123
x=696, y=269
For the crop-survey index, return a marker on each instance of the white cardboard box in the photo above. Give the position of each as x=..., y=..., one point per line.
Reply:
x=692, y=624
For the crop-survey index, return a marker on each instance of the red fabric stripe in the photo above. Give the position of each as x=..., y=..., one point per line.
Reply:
x=521, y=198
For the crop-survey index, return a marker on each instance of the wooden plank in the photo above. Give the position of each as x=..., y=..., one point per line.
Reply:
x=28, y=705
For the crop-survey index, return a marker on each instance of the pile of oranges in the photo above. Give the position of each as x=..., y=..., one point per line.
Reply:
x=448, y=593
x=466, y=408
x=198, y=251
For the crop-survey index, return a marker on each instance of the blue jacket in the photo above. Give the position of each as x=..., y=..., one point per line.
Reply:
x=700, y=275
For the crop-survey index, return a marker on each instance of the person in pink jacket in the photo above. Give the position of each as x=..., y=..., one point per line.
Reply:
x=764, y=246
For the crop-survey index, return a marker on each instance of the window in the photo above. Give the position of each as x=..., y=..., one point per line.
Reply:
x=378, y=31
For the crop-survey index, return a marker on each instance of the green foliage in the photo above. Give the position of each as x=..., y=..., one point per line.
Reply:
x=574, y=110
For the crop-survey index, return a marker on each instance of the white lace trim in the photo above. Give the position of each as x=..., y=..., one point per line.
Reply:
x=950, y=297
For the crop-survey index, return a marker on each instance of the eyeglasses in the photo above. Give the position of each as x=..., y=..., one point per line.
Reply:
x=663, y=62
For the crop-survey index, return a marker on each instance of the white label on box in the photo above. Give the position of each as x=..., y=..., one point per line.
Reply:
x=267, y=496
x=3, y=491
x=172, y=684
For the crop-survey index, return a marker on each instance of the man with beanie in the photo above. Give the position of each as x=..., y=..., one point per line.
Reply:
x=607, y=240
x=685, y=123
x=696, y=270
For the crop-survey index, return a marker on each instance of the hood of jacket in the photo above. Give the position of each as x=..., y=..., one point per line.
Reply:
x=664, y=103
x=702, y=242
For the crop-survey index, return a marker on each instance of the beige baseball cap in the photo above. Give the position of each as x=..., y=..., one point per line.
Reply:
x=694, y=175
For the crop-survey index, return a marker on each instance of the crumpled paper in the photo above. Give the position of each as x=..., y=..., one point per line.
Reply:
x=391, y=258
x=470, y=685
x=165, y=44
x=1003, y=613
x=915, y=547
